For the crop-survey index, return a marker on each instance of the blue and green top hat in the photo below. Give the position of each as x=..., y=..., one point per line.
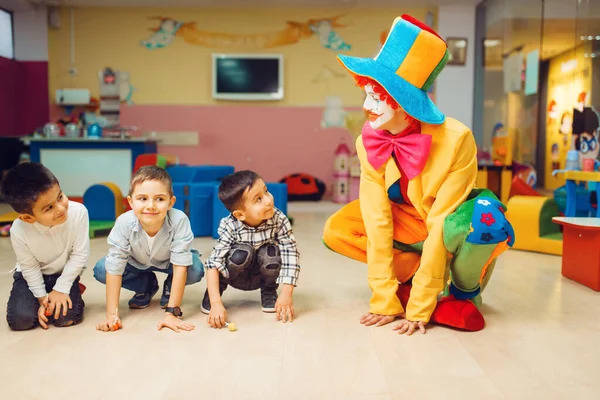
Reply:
x=410, y=60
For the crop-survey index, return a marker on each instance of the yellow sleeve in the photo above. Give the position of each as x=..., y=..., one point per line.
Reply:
x=428, y=282
x=376, y=212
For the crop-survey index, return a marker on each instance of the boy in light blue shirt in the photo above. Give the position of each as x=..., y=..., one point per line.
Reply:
x=151, y=237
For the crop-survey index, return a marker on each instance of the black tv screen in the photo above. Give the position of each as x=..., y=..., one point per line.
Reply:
x=247, y=77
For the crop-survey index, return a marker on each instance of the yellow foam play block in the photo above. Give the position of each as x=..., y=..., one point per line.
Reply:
x=531, y=218
x=8, y=217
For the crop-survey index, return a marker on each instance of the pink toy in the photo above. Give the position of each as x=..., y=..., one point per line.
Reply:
x=341, y=174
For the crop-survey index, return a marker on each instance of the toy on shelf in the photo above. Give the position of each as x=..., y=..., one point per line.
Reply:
x=104, y=203
x=72, y=130
x=94, y=131
x=52, y=129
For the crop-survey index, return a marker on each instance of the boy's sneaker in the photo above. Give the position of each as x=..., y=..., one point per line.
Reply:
x=205, y=306
x=142, y=300
x=268, y=298
x=166, y=294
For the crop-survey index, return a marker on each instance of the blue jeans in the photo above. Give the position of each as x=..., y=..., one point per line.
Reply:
x=138, y=280
x=21, y=312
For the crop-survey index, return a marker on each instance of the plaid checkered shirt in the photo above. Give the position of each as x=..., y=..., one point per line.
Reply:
x=274, y=230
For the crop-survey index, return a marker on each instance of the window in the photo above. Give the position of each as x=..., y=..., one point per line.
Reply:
x=7, y=47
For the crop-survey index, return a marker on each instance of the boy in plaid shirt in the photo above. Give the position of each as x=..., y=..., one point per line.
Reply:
x=256, y=249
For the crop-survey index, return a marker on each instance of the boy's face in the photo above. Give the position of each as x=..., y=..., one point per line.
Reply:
x=150, y=202
x=51, y=208
x=258, y=205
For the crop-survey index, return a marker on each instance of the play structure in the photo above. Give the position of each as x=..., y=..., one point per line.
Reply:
x=196, y=192
x=531, y=218
x=104, y=203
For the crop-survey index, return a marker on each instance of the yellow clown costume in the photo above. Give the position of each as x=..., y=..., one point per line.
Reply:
x=419, y=221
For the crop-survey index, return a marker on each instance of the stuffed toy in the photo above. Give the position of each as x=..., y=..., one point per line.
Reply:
x=304, y=187
x=430, y=239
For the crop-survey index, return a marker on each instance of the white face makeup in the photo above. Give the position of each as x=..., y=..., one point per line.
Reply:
x=379, y=111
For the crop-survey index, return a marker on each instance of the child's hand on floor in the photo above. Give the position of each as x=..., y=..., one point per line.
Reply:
x=284, y=307
x=42, y=318
x=409, y=327
x=172, y=322
x=217, y=316
x=110, y=324
x=58, y=301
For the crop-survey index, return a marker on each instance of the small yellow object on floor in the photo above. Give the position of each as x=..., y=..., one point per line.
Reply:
x=231, y=326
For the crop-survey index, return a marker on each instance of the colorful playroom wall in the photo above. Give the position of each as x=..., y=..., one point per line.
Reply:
x=172, y=81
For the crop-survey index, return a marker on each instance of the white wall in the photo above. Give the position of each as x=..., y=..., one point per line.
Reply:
x=454, y=86
x=31, y=34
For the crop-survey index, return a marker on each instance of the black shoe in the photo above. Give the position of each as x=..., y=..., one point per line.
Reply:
x=166, y=294
x=268, y=298
x=142, y=300
x=205, y=306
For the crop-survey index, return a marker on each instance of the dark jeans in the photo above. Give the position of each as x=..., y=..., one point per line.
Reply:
x=22, y=310
x=139, y=280
x=251, y=269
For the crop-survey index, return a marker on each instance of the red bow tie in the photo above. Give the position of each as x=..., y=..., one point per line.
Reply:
x=410, y=147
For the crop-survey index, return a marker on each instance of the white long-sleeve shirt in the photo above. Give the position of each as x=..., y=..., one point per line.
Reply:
x=43, y=250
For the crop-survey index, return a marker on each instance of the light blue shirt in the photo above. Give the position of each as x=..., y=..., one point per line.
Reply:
x=129, y=245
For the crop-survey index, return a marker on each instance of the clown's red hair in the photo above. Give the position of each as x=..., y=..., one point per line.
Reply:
x=362, y=81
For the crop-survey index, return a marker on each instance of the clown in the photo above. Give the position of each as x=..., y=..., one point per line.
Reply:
x=419, y=224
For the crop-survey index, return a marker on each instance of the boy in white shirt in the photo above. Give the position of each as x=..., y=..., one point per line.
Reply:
x=51, y=241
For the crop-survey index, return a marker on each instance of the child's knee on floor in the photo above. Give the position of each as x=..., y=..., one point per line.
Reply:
x=21, y=319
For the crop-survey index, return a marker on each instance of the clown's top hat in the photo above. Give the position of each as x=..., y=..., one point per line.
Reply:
x=411, y=58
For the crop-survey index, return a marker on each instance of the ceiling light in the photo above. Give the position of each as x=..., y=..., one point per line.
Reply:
x=586, y=55
x=593, y=55
x=590, y=37
x=582, y=37
x=598, y=37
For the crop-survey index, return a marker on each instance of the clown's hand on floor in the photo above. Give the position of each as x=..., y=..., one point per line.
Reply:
x=409, y=327
x=375, y=319
x=489, y=224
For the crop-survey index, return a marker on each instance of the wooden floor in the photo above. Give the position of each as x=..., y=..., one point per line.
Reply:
x=542, y=341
